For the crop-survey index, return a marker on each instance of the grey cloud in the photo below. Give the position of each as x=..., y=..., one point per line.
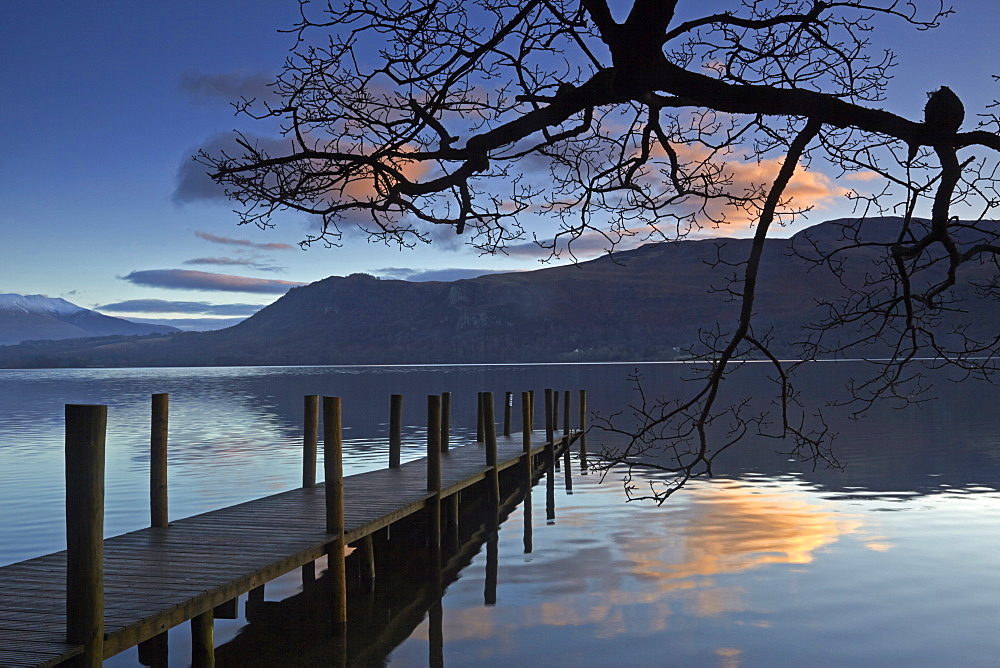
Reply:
x=192, y=183
x=228, y=87
x=187, y=279
x=167, y=306
x=446, y=274
x=249, y=263
x=192, y=324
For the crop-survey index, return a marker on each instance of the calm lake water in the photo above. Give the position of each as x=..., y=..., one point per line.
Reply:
x=893, y=561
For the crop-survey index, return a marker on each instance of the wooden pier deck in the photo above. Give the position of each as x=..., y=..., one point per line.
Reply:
x=157, y=578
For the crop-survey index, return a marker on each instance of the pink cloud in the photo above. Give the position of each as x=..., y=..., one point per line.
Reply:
x=214, y=238
x=185, y=279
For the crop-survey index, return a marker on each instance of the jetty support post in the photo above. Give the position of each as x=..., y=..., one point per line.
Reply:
x=549, y=430
x=154, y=650
x=550, y=460
x=493, y=473
x=434, y=477
x=583, y=432
x=445, y=421
x=493, y=499
x=526, y=435
x=508, y=409
x=310, y=439
x=567, y=464
x=333, y=467
x=203, y=640
x=158, y=461
x=366, y=555
x=395, y=429
x=479, y=418
x=86, y=428
x=531, y=414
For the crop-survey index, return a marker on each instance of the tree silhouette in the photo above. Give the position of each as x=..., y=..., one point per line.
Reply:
x=567, y=121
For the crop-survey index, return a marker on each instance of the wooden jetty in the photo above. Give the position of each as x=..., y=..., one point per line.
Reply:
x=100, y=597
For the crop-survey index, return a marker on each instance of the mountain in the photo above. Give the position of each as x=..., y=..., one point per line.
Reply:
x=650, y=303
x=35, y=317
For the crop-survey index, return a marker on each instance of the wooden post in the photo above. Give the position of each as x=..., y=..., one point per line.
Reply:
x=434, y=472
x=528, y=466
x=367, y=557
x=479, y=418
x=555, y=410
x=155, y=652
x=566, y=407
x=550, y=460
x=310, y=439
x=333, y=467
x=445, y=420
x=86, y=427
x=203, y=640
x=526, y=431
x=308, y=572
x=395, y=429
x=228, y=610
x=435, y=633
x=567, y=464
x=452, y=513
x=255, y=604
x=158, y=461
x=583, y=432
x=492, y=566
x=549, y=429
x=310, y=448
x=493, y=474
x=527, y=538
x=531, y=413
x=508, y=408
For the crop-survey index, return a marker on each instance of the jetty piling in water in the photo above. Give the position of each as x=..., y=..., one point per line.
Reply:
x=86, y=427
x=395, y=429
x=310, y=439
x=158, y=516
x=333, y=467
x=434, y=471
x=250, y=538
x=567, y=464
x=583, y=432
x=445, y=420
x=508, y=409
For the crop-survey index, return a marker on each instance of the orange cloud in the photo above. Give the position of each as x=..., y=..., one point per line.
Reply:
x=806, y=189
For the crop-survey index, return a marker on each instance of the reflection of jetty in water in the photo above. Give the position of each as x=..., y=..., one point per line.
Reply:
x=730, y=527
x=384, y=613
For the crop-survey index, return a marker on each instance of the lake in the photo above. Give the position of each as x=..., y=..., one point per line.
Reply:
x=892, y=561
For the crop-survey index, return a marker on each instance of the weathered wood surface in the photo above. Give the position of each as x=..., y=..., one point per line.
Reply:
x=157, y=578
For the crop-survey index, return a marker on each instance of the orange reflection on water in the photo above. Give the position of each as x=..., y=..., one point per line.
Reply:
x=714, y=529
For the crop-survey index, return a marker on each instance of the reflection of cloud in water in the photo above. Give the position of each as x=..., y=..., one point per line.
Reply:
x=734, y=527
x=682, y=555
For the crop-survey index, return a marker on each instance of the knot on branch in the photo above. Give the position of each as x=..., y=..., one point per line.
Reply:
x=943, y=113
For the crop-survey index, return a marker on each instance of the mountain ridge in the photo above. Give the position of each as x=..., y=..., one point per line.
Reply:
x=653, y=302
x=40, y=318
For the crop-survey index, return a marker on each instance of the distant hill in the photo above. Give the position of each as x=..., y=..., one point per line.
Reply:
x=650, y=303
x=35, y=317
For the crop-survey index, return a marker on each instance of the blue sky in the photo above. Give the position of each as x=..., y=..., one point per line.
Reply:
x=103, y=103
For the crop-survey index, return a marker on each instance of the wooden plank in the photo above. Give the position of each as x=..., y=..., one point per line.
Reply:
x=157, y=578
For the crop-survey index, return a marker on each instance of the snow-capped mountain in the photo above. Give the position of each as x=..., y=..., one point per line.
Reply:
x=36, y=317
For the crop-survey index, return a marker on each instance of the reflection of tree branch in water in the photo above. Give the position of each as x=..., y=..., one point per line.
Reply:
x=687, y=422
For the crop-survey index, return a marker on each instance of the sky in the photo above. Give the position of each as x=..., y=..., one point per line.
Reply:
x=103, y=103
